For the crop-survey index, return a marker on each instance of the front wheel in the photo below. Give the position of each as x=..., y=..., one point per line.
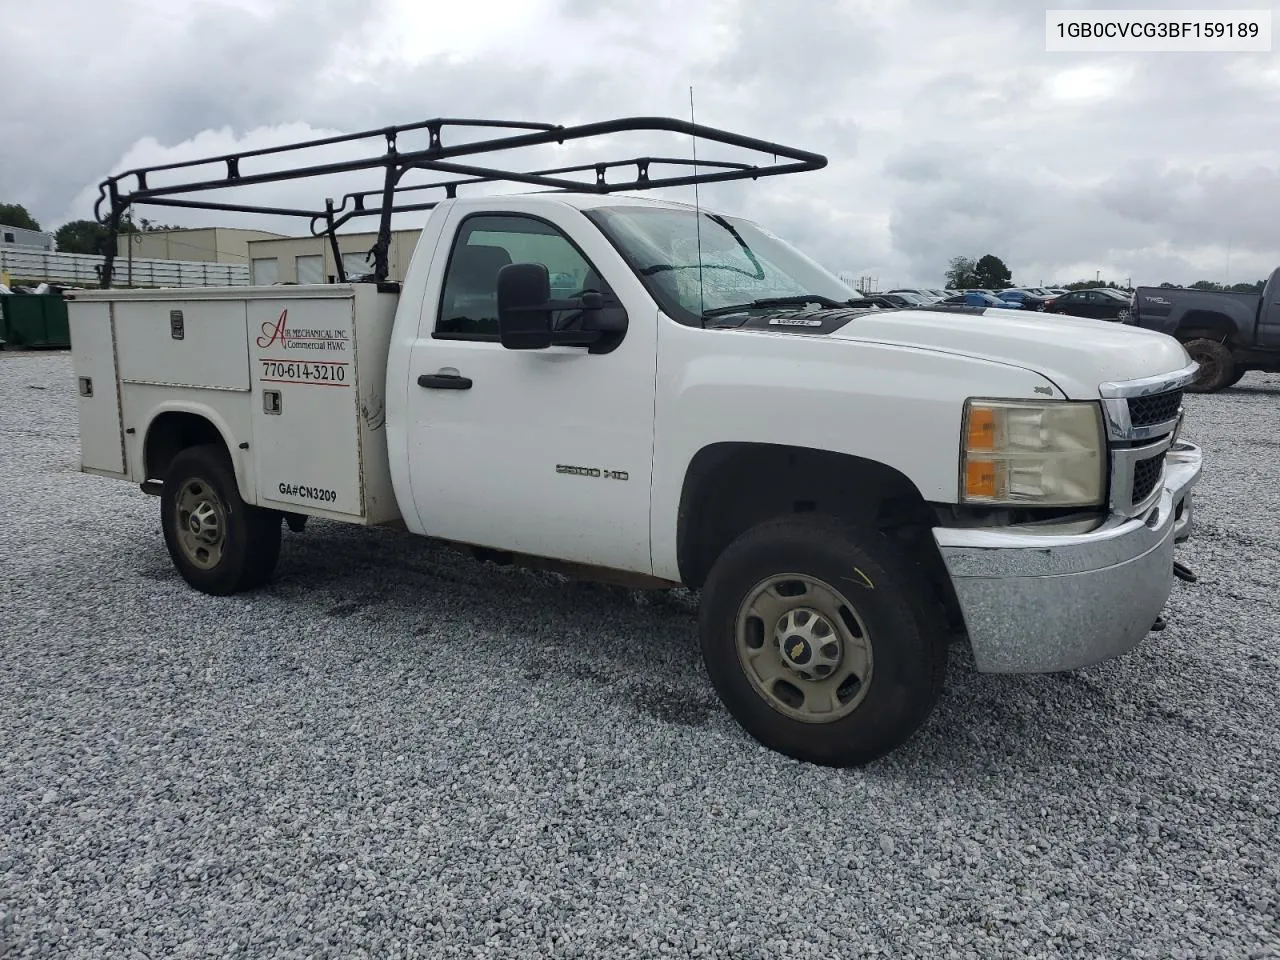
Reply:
x=822, y=640
x=220, y=544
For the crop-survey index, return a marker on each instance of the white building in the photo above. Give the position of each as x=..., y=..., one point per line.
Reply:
x=27, y=240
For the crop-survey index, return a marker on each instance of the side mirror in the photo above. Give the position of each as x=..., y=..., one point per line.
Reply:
x=525, y=310
x=524, y=320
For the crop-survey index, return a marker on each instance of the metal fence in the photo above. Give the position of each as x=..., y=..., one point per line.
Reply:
x=79, y=268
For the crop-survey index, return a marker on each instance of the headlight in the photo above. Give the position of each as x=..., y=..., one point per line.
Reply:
x=1044, y=454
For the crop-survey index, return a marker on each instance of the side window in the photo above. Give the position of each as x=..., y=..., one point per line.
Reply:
x=483, y=246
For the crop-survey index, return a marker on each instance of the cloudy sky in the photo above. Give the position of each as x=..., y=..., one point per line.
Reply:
x=950, y=130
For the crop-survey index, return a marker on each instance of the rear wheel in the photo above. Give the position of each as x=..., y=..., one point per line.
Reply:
x=220, y=544
x=822, y=640
x=1217, y=366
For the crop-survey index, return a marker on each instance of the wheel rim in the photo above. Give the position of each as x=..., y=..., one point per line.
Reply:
x=201, y=523
x=804, y=648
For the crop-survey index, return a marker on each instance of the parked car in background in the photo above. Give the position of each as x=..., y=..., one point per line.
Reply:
x=1025, y=298
x=1102, y=303
x=905, y=299
x=1228, y=334
x=925, y=296
x=977, y=298
x=876, y=300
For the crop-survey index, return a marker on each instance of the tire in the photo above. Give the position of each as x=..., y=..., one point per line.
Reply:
x=857, y=581
x=238, y=545
x=1236, y=377
x=1217, y=366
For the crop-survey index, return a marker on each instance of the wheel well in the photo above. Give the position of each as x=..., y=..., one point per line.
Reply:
x=170, y=434
x=731, y=487
x=1196, y=324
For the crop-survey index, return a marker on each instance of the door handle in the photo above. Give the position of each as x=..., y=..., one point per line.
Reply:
x=444, y=381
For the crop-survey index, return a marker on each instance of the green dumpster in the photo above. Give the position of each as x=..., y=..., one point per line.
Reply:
x=36, y=320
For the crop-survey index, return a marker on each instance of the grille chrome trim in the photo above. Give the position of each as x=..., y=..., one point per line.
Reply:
x=1145, y=386
x=1117, y=394
x=1124, y=460
x=1120, y=425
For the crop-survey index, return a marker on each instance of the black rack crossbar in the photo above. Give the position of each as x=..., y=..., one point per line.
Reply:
x=551, y=178
x=122, y=191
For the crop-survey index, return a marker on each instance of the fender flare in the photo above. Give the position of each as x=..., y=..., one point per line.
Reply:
x=243, y=473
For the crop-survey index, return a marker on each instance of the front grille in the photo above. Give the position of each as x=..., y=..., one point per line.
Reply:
x=1146, y=474
x=1157, y=408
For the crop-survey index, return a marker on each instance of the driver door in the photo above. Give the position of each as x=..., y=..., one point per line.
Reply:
x=545, y=452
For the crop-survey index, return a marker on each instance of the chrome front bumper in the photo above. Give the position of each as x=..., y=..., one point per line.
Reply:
x=1036, y=601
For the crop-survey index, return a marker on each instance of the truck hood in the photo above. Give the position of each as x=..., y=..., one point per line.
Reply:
x=1075, y=353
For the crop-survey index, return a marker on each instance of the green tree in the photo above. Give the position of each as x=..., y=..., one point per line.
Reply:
x=992, y=273
x=89, y=236
x=81, y=236
x=1215, y=287
x=1093, y=285
x=15, y=215
x=1247, y=287
x=961, y=273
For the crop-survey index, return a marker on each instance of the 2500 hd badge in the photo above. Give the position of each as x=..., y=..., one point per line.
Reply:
x=309, y=493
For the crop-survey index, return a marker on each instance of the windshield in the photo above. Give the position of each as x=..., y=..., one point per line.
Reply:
x=1115, y=294
x=740, y=262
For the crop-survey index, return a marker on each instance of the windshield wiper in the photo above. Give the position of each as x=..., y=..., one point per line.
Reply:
x=796, y=301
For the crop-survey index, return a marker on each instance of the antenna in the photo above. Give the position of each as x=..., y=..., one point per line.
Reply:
x=697, y=213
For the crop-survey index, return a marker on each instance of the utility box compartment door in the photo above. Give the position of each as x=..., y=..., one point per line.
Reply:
x=93, y=361
x=189, y=343
x=305, y=408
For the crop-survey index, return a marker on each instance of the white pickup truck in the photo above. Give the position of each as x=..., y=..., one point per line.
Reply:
x=644, y=391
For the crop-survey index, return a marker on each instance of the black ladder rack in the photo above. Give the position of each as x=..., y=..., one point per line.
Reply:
x=114, y=199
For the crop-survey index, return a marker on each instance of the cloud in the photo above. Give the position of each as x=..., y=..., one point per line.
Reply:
x=948, y=128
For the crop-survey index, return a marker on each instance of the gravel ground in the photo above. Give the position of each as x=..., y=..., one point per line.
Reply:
x=394, y=751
